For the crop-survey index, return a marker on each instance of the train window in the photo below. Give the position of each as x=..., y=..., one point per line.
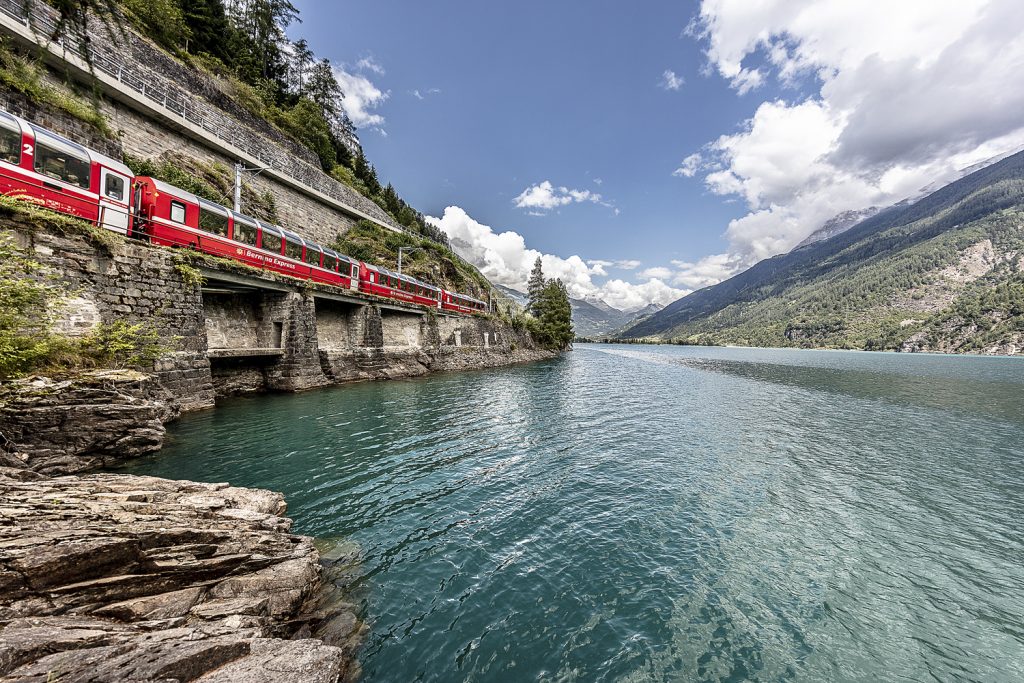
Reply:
x=60, y=165
x=114, y=187
x=271, y=242
x=213, y=222
x=10, y=141
x=330, y=263
x=312, y=256
x=245, y=233
x=178, y=212
x=293, y=249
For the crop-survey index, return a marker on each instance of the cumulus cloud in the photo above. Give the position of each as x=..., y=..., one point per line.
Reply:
x=671, y=81
x=904, y=95
x=599, y=267
x=362, y=97
x=706, y=271
x=504, y=258
x=544, y=196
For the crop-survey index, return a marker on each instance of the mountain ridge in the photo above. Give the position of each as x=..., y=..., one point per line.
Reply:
x=868, y=286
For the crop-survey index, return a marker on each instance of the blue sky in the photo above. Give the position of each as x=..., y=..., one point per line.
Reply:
x=471, y=104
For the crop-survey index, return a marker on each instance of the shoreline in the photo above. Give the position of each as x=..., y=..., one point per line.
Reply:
x=133, y=577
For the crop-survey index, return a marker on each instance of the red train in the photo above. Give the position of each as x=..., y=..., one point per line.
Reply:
x=47, y=169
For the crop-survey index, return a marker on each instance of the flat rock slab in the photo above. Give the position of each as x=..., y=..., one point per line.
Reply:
x=124, y=578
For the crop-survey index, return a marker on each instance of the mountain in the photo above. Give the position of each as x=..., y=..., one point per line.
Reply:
x=591, y=317
x=514, y=294
x=591, y=320
x=944, y=273
x=839, y=224
x=842, y=222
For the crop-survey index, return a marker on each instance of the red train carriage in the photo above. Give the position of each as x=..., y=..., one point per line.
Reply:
x=461, y=303
x=174, y=217
x=387, y=283
x=47, y=169
x=42, y=167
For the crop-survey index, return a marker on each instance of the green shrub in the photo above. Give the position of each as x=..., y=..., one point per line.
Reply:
x=26, y=304
x=120, y=345
x=25, y=75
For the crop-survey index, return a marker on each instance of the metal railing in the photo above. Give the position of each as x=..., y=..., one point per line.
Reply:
x=43, y=21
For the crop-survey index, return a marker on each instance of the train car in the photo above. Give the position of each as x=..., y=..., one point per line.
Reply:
x=42, y=167
x=39, y=166
x=461, y=303
x=174, y=217
x=387, y=283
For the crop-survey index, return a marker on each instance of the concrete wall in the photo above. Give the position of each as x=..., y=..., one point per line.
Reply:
x=401, y=330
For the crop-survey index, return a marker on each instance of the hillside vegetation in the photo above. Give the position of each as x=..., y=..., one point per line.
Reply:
x=241, y=46
x=945, y=273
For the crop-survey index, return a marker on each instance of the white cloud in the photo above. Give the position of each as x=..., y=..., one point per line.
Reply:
x=505, y=259
x=544, y=196
x=423, y=95
x=689, y=167
x=705, y=272
x=670, y=81
x=361, y=98
x=906, y=94
x=659, y=272
x=370, y=64
x=598, y=182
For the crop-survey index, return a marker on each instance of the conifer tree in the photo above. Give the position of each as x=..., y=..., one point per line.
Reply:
x=535, y=286
x=554, y=317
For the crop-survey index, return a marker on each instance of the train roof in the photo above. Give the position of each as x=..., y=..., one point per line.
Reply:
x=469, y=298
x=66, y=145
x=167, y=188
x=291, y=236
x=244, y=218
x=213, y=206
x=407, y=278
x=340, y=257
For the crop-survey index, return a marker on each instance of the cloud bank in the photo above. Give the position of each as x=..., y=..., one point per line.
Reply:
x=505, y=259
x=902, y=95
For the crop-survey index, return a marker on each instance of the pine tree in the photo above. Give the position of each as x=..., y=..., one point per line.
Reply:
x=323, y=89
x=208, y=24
x=301, y=58
x=535, y=287
x=554, y=317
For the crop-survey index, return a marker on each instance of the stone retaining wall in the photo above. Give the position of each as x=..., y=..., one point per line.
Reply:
x=132, y=282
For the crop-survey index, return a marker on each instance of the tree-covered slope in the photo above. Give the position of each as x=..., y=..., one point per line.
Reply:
x=944, y=273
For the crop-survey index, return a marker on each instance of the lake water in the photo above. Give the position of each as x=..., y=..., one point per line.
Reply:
x=633, y=513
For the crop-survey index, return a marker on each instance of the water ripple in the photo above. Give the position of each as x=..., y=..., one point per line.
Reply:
x=661, y=514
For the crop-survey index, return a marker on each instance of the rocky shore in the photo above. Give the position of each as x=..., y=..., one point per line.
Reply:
x=124, y=578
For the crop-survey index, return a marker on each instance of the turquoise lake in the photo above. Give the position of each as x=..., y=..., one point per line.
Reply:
x=638, y=513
